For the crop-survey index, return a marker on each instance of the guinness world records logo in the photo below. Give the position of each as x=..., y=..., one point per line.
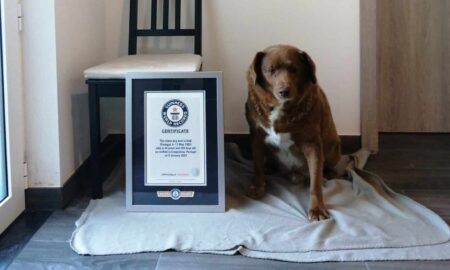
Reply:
x=175, y=113
x=175, y=194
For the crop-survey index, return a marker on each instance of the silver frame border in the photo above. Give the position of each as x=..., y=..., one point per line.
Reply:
x=220, y=207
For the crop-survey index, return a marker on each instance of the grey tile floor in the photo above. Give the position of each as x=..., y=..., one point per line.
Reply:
x=49, y=247
x=17, y=235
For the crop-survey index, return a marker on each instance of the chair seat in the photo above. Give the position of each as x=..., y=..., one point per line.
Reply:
x=118, y=68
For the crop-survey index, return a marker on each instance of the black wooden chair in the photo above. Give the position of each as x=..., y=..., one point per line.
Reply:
x=108, y=79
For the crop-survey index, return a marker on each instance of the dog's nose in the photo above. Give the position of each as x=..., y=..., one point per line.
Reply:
x=284, y=92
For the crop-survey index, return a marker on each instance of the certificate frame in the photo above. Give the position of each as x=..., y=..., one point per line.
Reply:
x=174, y=198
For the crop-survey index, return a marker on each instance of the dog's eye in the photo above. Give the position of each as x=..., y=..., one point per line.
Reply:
x=270, y=70
x=292, y=69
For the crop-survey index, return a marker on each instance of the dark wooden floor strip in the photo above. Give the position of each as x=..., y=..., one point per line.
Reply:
x=17, y=235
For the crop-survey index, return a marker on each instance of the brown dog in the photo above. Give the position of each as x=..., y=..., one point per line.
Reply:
x=290, y=118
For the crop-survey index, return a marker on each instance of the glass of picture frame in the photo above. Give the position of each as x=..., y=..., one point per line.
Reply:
x=174, y=142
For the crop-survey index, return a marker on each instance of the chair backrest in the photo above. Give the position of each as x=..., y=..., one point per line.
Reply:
x=196, y=32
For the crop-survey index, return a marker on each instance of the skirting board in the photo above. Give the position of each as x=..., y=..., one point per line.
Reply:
x=58, y=198
x=349, y=143
x=113, y=149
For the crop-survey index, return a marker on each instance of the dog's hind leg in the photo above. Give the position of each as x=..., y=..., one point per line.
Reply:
x=258, y=187
x=333, y=161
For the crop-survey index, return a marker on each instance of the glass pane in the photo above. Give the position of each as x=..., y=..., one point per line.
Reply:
x=3, y=178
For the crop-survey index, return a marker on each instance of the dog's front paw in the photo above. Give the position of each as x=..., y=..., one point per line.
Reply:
x=318, y=213
x=256, y=192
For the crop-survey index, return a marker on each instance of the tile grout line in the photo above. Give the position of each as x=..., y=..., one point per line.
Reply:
x=49, y=241
x=157, y=262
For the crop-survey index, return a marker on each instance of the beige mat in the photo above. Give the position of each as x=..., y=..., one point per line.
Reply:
x=368, y=222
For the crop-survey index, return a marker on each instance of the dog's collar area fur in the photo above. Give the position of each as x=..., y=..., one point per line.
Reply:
x=298, y=109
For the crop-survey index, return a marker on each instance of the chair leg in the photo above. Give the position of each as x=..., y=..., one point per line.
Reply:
x=95, y=159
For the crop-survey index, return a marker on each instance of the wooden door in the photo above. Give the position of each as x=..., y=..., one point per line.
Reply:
x=413, y=65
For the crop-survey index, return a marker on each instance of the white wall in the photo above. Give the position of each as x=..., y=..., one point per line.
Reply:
x=80, y=44
x=116, y=23
x=328, y=30
x=40, y=93
x=60, y=39
x=234, y=30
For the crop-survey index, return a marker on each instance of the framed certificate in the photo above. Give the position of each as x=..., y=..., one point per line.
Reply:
x=174, y=142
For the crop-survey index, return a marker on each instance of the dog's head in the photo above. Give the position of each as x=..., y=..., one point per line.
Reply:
x=283, y=70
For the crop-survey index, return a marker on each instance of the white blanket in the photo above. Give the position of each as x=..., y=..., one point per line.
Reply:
x=368, y=222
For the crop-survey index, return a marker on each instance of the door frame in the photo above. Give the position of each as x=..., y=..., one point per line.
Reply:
x=369, y=74
x=14, y=204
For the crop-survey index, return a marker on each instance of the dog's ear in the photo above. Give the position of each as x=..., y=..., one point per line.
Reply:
x=255, y=72
x=310, y=67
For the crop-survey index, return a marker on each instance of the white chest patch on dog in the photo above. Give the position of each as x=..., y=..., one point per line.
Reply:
x=282, y=141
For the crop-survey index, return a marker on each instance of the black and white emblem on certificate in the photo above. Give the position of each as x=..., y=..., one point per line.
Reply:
x=174, y=142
